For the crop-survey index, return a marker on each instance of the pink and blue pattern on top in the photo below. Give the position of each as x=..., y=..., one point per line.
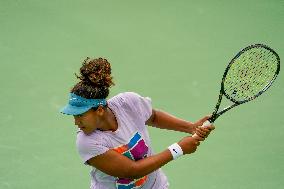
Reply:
x=136, y=149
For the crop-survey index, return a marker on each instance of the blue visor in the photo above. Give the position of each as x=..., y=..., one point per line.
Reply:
x=78, y=105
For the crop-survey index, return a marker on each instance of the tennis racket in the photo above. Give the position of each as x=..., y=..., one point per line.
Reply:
x=249, y=74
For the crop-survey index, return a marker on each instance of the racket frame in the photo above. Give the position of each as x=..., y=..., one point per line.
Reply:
x=215, y=113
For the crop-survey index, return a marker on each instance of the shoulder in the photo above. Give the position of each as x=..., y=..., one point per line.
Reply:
x=137, y=105
x=127, y=98
x=126, y=95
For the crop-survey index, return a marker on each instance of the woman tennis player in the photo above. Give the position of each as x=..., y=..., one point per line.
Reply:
x=113, y=137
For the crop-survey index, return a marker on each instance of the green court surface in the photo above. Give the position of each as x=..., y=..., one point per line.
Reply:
x=172, y=51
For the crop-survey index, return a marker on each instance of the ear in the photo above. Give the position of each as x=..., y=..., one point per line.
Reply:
x=100, y=110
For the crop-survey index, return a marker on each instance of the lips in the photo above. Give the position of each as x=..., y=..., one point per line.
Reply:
x=82, y=128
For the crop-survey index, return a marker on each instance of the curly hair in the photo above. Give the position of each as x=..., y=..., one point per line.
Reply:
x=96, y=79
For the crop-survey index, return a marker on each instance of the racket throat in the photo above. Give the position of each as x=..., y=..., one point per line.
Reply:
x=214, y=117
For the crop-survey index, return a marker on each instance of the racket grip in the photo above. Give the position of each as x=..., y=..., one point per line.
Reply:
x=205, y=124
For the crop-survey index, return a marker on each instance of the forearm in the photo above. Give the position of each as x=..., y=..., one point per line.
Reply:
x=164, y=120
x=148, y=165
x=117, y=165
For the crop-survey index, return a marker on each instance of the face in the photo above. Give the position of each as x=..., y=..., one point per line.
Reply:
x=89, y=121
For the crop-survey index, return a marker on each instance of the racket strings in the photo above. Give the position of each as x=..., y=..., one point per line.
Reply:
x=250, y=73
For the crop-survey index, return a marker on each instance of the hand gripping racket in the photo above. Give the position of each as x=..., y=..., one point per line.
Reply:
x=249, y=74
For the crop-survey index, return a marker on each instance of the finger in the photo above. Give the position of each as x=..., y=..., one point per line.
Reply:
x=198, y=138
x=211, y=127
x=207, y=130
x=202, y=131
x=202, y=136
x=208, y=116
x=197, y=141
x=202, y=120
x=201, y=139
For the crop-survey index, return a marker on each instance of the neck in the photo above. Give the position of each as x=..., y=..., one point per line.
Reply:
x=111, y=122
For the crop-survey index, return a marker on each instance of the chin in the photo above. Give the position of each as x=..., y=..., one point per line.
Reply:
x=88, y=132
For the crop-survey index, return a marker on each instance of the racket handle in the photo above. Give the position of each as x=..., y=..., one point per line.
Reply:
x=205, y=124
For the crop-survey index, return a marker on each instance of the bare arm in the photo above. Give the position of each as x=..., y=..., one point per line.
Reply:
x=117, y=165
x=164, y=120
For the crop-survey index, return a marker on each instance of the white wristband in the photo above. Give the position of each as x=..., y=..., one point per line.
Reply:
x=175, y=150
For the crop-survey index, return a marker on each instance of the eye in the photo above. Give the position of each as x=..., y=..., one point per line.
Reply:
x=79, y=115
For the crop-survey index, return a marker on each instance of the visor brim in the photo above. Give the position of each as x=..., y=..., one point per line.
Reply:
x=74, y=110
